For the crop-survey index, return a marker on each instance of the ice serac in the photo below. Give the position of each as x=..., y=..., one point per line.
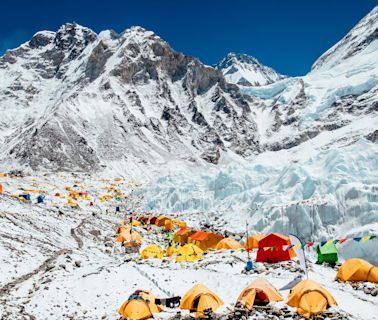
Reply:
x=244, y=70
x=75, y=100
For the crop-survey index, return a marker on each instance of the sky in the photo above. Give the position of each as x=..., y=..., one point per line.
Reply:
x=287, y=35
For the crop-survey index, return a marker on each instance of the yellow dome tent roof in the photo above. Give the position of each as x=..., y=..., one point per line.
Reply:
x=310, y=298
x=259, y=291
x=152, y=251
x=140, y=305
x=228, y=243
x=200, y=298
x=253, y=241
x=358, y=270
x=189, y=253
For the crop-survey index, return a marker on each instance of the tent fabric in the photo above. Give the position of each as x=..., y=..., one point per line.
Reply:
x=153, y=220
x=140, y=305
x=327, y=253
x=259, y=291
x=1, y=188
x=200, y=298
x=182, y=235
x=228, y=243
x=275, y=240
x=253, y=241
x=310, y=298
x=152, y=251
x=205, y=240
x=171, y=250
x=189, y=253
x=130, y=236
x=161, y=221
x=357, y=270
x=168, y=225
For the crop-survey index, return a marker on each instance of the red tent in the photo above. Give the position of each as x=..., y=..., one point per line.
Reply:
x=153, y=220
x=278, y=253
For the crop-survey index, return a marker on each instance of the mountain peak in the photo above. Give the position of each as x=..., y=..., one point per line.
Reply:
x=362, y=36
x=242, y=69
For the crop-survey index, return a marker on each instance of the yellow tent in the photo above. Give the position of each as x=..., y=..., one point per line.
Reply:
x=3, y=174
x=189, y=253
x=171, y=250
x=310, y=298
x=258, y=292
x=152, y=251
x=253, y=241
x=140, y=305
x=200, y=298
x=358, y=270
x=228, y=243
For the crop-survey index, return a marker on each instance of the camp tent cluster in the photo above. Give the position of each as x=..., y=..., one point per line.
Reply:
x=309, y=297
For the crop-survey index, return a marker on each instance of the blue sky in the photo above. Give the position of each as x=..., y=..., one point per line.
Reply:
x=287, y=35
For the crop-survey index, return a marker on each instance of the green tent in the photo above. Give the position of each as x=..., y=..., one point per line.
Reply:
x=327, y=253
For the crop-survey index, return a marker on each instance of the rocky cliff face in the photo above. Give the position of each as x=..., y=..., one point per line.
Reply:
x=75, y=100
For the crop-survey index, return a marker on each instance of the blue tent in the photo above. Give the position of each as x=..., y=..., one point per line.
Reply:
x=40, y=198
x=25, y=196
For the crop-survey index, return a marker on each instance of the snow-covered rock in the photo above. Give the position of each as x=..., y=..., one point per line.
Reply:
x=245, y=70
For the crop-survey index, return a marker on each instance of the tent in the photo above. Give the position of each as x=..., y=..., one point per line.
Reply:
x=200, y=298
x=259, y=292
x=152, y=251
x=268, y=254
x=140, y=305
x=188, y=253
x=1, y=188
x=327, y=253
x=168, y=225
x=253, y=241
x=205, y=240
x=25, y=196
x=131, y=237
x=160, y=222
x=228, y=243
x=40, y=198
x=182, y=236
x=310, y=298
x=358, y=270
x=171, y=250
x=153, y=220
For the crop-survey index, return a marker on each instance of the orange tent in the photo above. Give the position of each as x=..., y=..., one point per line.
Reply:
x=358, y=270
x=228, y=243
x=140, y=305
x=205, y=240
x=258, y=292
x=271, y=249
x=1, y=188
x=161, y=221
x=200, y=298
x=183, y=235
x=168, y=225
x=130, y=236
x=253, y=241
x=310, y=298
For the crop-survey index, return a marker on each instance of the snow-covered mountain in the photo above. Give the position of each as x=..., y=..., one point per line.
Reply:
x=128, y=103
x=75, y=100
x=245, y=70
